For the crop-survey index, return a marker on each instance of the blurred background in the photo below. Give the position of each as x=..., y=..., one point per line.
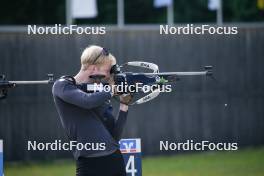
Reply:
x=49, y=12
x=229, y=109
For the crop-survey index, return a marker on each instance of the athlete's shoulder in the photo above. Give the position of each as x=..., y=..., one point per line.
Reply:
x=61, y=83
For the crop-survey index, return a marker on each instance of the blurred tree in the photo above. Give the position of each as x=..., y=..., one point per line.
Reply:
x=136, y=12
x=32, y=12
x=242, y=10
x=195, y=12
x=261, y=4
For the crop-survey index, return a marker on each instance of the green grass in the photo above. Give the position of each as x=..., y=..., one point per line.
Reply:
x=247, y=162
x=241, y=163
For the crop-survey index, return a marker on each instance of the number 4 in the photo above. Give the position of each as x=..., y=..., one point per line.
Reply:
x=130, y=167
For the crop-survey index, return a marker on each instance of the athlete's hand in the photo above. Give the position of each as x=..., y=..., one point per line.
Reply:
x=126, y=99
x=111, y=82
x=123, y=107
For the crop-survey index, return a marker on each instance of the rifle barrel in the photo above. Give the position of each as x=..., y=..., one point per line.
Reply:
x=177, y=73
x=30, y=82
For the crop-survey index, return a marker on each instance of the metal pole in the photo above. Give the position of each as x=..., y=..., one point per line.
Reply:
x=68, y=12
x=170, y=14
x=120, y=13
x=219, y=16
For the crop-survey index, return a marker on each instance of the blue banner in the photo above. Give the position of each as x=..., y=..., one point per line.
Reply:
x=131, y=151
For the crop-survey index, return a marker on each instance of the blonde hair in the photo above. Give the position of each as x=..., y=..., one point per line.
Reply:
x=94, y=55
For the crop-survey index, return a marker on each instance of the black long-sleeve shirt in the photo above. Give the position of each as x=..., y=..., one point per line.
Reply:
x=87, y=118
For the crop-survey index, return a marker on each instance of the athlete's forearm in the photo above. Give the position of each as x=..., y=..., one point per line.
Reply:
x=120, y=124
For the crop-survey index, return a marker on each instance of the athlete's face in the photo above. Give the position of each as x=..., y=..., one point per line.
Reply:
x=103, y=69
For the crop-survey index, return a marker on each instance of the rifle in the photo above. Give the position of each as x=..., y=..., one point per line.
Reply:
x=154, y=78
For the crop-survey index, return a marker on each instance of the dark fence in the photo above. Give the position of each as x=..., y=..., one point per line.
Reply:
x=195, y=110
